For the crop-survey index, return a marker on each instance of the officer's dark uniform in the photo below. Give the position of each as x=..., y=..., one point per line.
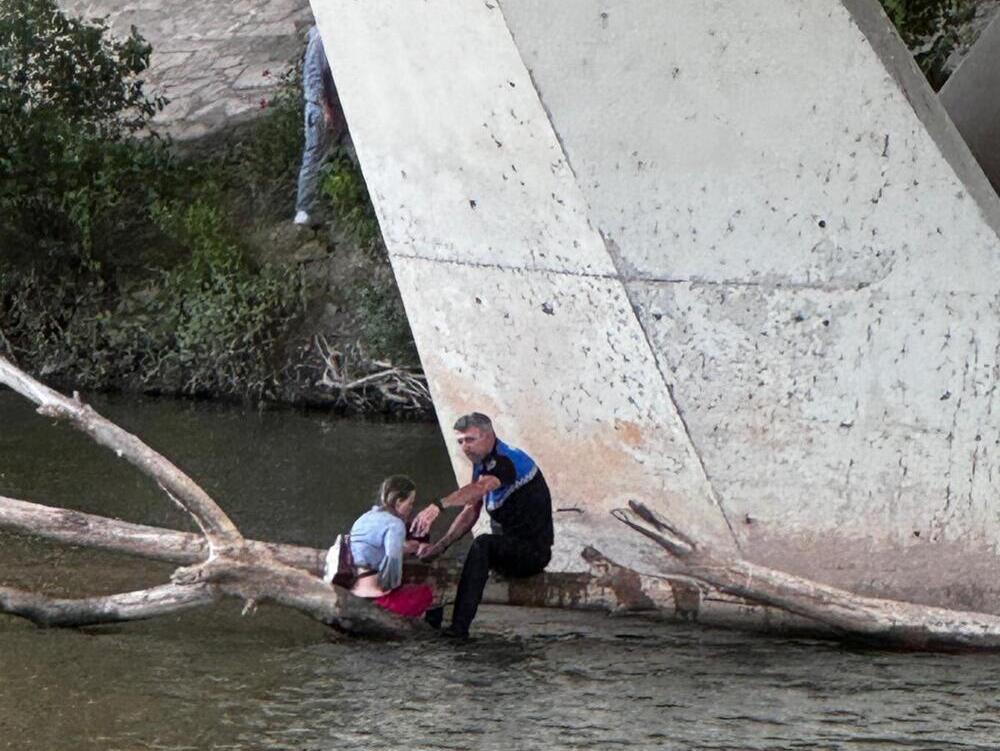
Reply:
x=521, y=518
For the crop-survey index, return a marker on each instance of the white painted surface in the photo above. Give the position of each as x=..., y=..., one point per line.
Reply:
x=514, y=302
x=794, y=239
x=812, y=253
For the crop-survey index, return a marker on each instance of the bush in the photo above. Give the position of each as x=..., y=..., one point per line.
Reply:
x=384, y=327
x=223, y=320
x=71, y=98
x=259, y=163
x=345, y=189
x=213, y=325
x=932, y=31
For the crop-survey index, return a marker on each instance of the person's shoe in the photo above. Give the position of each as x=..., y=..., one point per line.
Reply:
x=434, y=616
x=302, y=218
x=455, y=632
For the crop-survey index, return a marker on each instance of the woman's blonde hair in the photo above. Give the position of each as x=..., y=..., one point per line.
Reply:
x=395, y=488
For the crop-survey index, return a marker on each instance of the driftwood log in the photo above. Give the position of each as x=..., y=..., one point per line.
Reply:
x=606, y=587
x=881, y=622
x=221, y=563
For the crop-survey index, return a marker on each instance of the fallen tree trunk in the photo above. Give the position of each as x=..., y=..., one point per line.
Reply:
x=884, y=622
x=168, y=545
x=221, y=562
x=225, y=563
x=90, y=611
x=606, y=587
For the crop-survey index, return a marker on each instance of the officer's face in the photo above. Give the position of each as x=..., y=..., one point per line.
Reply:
x=475, y=443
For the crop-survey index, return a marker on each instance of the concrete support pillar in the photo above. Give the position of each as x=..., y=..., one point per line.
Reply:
x=731, y=261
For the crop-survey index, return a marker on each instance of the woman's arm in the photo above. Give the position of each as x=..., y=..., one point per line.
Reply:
x=390, y=571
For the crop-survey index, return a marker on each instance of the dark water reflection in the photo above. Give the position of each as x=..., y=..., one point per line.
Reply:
x=214, y=679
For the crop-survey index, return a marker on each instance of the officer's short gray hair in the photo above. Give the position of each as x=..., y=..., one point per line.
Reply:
x=473, y=420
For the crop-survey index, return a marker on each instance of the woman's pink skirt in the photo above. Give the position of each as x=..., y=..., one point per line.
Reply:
x=410, y=600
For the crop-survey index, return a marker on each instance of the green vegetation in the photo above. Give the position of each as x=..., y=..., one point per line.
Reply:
x=382, y=322
x=124, y=265
x=212, y=325
x=932, y=30
x=71, y=176
x=345, y=188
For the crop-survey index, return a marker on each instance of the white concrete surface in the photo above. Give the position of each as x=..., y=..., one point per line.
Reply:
x=733, y=261
x=513, y=299
x=813, y=253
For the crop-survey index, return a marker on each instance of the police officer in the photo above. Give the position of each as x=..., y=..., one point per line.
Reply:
x=510, y=485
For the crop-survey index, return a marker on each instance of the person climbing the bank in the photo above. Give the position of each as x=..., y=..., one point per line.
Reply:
x=378, y=542
x=324, y=125
x=510, y=485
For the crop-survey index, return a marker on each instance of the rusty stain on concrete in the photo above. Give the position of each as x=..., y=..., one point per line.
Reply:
x=712, y=315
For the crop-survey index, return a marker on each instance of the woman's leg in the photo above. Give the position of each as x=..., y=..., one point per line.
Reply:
x=409, y=600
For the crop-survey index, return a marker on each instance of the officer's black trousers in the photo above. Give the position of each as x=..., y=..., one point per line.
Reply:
x=509, y=556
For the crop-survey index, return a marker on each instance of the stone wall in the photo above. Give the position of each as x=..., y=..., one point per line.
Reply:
x=217, y=63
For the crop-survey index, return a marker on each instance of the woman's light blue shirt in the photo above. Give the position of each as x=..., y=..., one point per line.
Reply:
x=377, y=539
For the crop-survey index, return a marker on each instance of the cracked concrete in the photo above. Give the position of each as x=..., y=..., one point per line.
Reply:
x=711, y=257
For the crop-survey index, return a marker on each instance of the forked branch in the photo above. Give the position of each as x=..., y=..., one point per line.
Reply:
x=225, y=563
x=888, y=622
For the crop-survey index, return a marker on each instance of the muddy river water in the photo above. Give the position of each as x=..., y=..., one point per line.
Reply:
x=532, y=679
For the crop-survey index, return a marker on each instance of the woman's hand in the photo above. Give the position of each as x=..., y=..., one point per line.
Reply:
x=421, y=524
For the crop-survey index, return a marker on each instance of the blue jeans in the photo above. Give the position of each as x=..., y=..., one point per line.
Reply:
x=313, y=154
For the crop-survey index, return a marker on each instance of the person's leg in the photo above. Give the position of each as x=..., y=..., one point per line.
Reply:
x=520, y=559
x=475, y=572
x=313, y=153
x=508, y=555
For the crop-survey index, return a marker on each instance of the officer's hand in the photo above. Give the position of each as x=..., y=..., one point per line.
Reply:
x=421, y=524
x=428, y=552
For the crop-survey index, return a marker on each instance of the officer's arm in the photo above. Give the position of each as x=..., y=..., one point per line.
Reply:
x=472, y=492
x=465, y=521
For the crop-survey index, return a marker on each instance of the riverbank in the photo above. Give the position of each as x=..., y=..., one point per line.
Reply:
x=185, y=276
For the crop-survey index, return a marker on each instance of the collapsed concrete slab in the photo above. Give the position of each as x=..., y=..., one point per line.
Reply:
x=733, y=263
x=972, y=97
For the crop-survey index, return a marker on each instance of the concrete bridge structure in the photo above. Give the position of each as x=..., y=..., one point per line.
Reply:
x=733, y=262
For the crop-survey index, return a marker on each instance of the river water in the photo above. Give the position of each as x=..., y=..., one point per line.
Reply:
x=216, y=679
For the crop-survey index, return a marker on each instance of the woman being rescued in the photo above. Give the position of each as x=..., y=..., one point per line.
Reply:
x=378, y=543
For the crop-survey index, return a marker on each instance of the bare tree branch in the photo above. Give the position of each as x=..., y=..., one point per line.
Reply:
x=217, y=527
x=230, y=566
x=183, y=548
x=890, y=622
x=90, y=611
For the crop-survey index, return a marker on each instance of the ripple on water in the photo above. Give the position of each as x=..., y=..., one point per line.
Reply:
x=531, y=679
